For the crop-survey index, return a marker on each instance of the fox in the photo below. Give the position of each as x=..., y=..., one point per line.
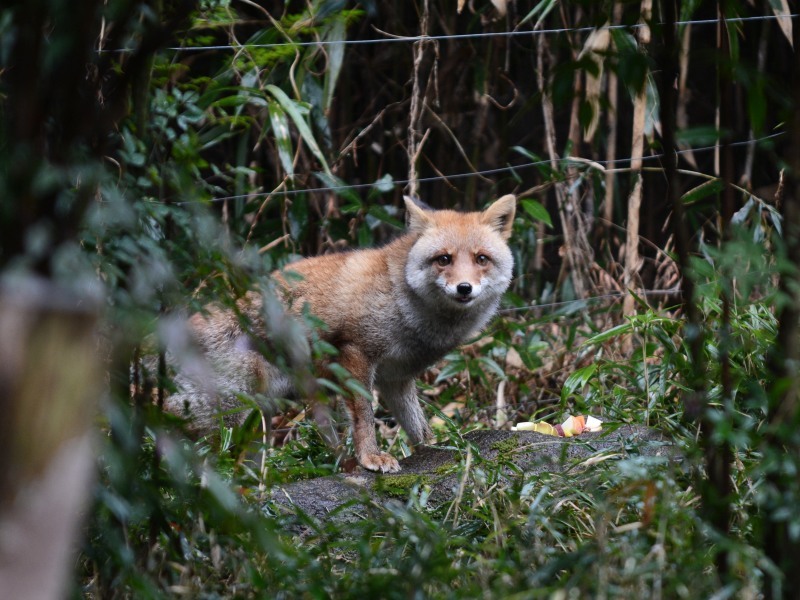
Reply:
x=391, y=312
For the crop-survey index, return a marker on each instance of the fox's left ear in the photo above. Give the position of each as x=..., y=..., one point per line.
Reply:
x=500, y=215
x=417, y=218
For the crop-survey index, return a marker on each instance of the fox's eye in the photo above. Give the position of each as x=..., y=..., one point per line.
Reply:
x=482, y=259
x=443, y=260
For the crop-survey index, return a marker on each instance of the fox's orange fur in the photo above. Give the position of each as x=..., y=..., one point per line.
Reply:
x=391, y=312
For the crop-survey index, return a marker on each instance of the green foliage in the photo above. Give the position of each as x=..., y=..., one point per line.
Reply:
x=207, y=186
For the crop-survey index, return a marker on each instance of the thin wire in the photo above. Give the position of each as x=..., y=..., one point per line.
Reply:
x=615, y=295
x=513, y=168
x=393, y=40
x=464, y=36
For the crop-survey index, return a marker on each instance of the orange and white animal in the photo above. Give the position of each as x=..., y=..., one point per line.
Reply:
x=391, y=312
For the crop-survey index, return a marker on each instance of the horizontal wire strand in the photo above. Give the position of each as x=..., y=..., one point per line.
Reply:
x=460, y=36
x=495, y=171
x=611, y=296
x=508, y=169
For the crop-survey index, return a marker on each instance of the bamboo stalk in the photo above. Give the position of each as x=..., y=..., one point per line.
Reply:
x=718, y=454
x=761, y=63
x=682, y=102
x=611, y=121
x=783, y=393
x=632, y=259
x=572, y=262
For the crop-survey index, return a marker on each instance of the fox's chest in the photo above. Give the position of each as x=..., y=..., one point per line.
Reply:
x=402, y=368
x=412, y=355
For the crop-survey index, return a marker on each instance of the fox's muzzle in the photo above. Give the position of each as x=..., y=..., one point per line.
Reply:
x=464, y=289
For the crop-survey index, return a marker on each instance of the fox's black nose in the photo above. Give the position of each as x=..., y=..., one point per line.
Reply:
x=465, y=289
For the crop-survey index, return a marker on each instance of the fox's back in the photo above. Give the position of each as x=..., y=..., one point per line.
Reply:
x=343, y=288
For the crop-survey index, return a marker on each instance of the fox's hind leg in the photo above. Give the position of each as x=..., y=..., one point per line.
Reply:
x=400, y=397
x=209, y=384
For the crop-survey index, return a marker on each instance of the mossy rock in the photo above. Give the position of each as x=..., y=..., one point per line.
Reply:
x=351, y=496
x=507, y=446
x=399, y=485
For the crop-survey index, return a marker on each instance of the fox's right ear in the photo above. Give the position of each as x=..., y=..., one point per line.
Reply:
x=417, y=219
x=500, y=215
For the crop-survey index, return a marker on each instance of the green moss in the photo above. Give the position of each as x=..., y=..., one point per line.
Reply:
x=445, y=469
x=506, y=447
x=399, y=486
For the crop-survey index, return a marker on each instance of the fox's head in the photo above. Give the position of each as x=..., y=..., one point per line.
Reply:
x=461, y=259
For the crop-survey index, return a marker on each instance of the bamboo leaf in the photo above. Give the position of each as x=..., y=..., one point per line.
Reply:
x=492, y=366
x=537, y=211
x=781, y=10
x=501, y=6
x=350, y=382
x=337, y=35
x=609, y=334
x=296, y=114
x=542, y=165
x=451, y=369
x=381, y=214
x=340, y=188
x=543, y=7
x=707, y=188
x=595, y=48
x=283, y=138
x=740, y=216
x=578, y=379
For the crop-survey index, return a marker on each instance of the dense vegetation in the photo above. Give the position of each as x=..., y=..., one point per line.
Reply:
x=179, y=151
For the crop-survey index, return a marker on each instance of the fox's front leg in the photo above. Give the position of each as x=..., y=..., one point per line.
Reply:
x=400, y=397
x=362, y=418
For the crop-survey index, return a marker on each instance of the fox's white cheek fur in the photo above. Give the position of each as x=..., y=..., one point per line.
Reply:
x=500, y=277
x=419, y=271
x=499, y=281
x=416, y=278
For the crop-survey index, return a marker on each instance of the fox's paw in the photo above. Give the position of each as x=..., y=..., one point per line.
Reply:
x=381, y=462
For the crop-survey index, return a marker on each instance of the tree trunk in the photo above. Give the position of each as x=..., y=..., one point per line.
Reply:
x=49, y=386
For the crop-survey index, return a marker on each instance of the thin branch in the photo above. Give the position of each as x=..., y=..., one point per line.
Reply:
x=455, y=141
x=415, y=112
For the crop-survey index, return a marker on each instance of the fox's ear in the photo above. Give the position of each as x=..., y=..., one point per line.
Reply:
x=417, y=218
x=500, y=215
